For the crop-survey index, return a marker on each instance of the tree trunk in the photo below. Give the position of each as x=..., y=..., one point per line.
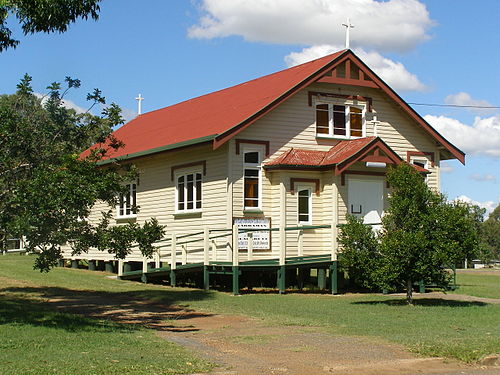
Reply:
x=409, y=292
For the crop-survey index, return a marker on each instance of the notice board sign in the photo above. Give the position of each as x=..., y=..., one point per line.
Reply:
x=261, y=240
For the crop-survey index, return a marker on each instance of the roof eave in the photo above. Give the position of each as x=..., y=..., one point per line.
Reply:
x=174, y=146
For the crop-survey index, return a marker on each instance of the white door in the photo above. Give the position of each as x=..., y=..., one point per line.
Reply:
x=366, y=200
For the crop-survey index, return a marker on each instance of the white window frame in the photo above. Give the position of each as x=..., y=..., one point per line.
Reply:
x=309, y=188
x=348, y=106
x=255, y=166
x=423, y=160
x=184, y=174
x=132, y=186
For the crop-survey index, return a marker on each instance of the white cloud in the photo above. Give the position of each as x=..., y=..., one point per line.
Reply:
x=394, y=25
x=128, y=114
x=482, y=138
x=69, y=104
x=488, y=205
x=464, y=99
x=483, y=178
x=446, y=168
x=392, y=72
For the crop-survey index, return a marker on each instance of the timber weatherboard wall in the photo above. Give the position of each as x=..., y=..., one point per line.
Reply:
x=292, y=124
x=156, y=197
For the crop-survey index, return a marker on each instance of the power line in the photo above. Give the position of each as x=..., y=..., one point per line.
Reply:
x=455, y=105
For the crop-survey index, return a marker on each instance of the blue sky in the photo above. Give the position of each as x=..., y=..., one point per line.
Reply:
x=443, y=52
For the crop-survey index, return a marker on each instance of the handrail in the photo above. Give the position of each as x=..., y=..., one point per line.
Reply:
x=220, y=236
x=189, y=235
x=240, y=231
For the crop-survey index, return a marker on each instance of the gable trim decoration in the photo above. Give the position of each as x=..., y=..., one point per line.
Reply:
x=317, y=94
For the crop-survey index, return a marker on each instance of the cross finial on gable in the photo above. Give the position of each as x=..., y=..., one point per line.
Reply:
x=139, y=104
x=347, y=26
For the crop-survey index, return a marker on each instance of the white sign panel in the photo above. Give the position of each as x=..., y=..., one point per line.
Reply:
x=261, y=240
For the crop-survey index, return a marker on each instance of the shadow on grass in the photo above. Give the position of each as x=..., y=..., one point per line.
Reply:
x=75, y=310
x=432, y=302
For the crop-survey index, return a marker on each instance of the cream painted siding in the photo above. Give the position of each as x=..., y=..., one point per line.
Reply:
x=156, y=199
x=292, y=124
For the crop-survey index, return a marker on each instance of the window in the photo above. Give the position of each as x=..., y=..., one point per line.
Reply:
x=252, y=180
x=127, y=203
x=304, y=206
x=189, y=192
x=340, y=121
x=421, y=162
x=14, y=244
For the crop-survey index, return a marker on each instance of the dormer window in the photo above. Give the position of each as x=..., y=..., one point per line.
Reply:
x=340, y=121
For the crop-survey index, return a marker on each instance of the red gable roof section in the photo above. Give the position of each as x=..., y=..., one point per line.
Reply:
x=209, y=115
x=339, y=157
x=219, y=116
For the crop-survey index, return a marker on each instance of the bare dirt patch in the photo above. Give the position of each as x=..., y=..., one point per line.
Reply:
x=245, y=346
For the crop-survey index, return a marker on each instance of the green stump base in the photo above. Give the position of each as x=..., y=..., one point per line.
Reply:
x=334, y=277
x=74, y=263
x=173, y=278
x=236, y=280
x=321, y=278
x=108, y=267
x=92, y=265
x=282, y=279
x=206, y=278
x=421, y=287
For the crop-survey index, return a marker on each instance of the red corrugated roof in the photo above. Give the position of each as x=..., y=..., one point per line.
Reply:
x=343, y=152
x=210, y=114
x=311, y=158
x=220, y=115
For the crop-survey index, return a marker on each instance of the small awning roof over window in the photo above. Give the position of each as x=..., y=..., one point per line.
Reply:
x=339, y=157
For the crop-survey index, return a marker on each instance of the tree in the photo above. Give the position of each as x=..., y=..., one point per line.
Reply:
x=47, y=190
x=490, y=236
x=43, y=16
x=422, y=234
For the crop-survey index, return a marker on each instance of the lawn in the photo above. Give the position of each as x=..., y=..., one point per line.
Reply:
x=35, y=339
x=463, y=330
x=479, y=283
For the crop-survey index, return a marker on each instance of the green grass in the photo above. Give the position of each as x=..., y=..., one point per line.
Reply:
x=479, y=284
x=463, y=330
x=35, y=339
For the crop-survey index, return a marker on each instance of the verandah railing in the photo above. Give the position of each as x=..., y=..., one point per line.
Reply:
x=174, y=249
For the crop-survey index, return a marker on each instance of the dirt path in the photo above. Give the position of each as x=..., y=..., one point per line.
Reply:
x=246, y=346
